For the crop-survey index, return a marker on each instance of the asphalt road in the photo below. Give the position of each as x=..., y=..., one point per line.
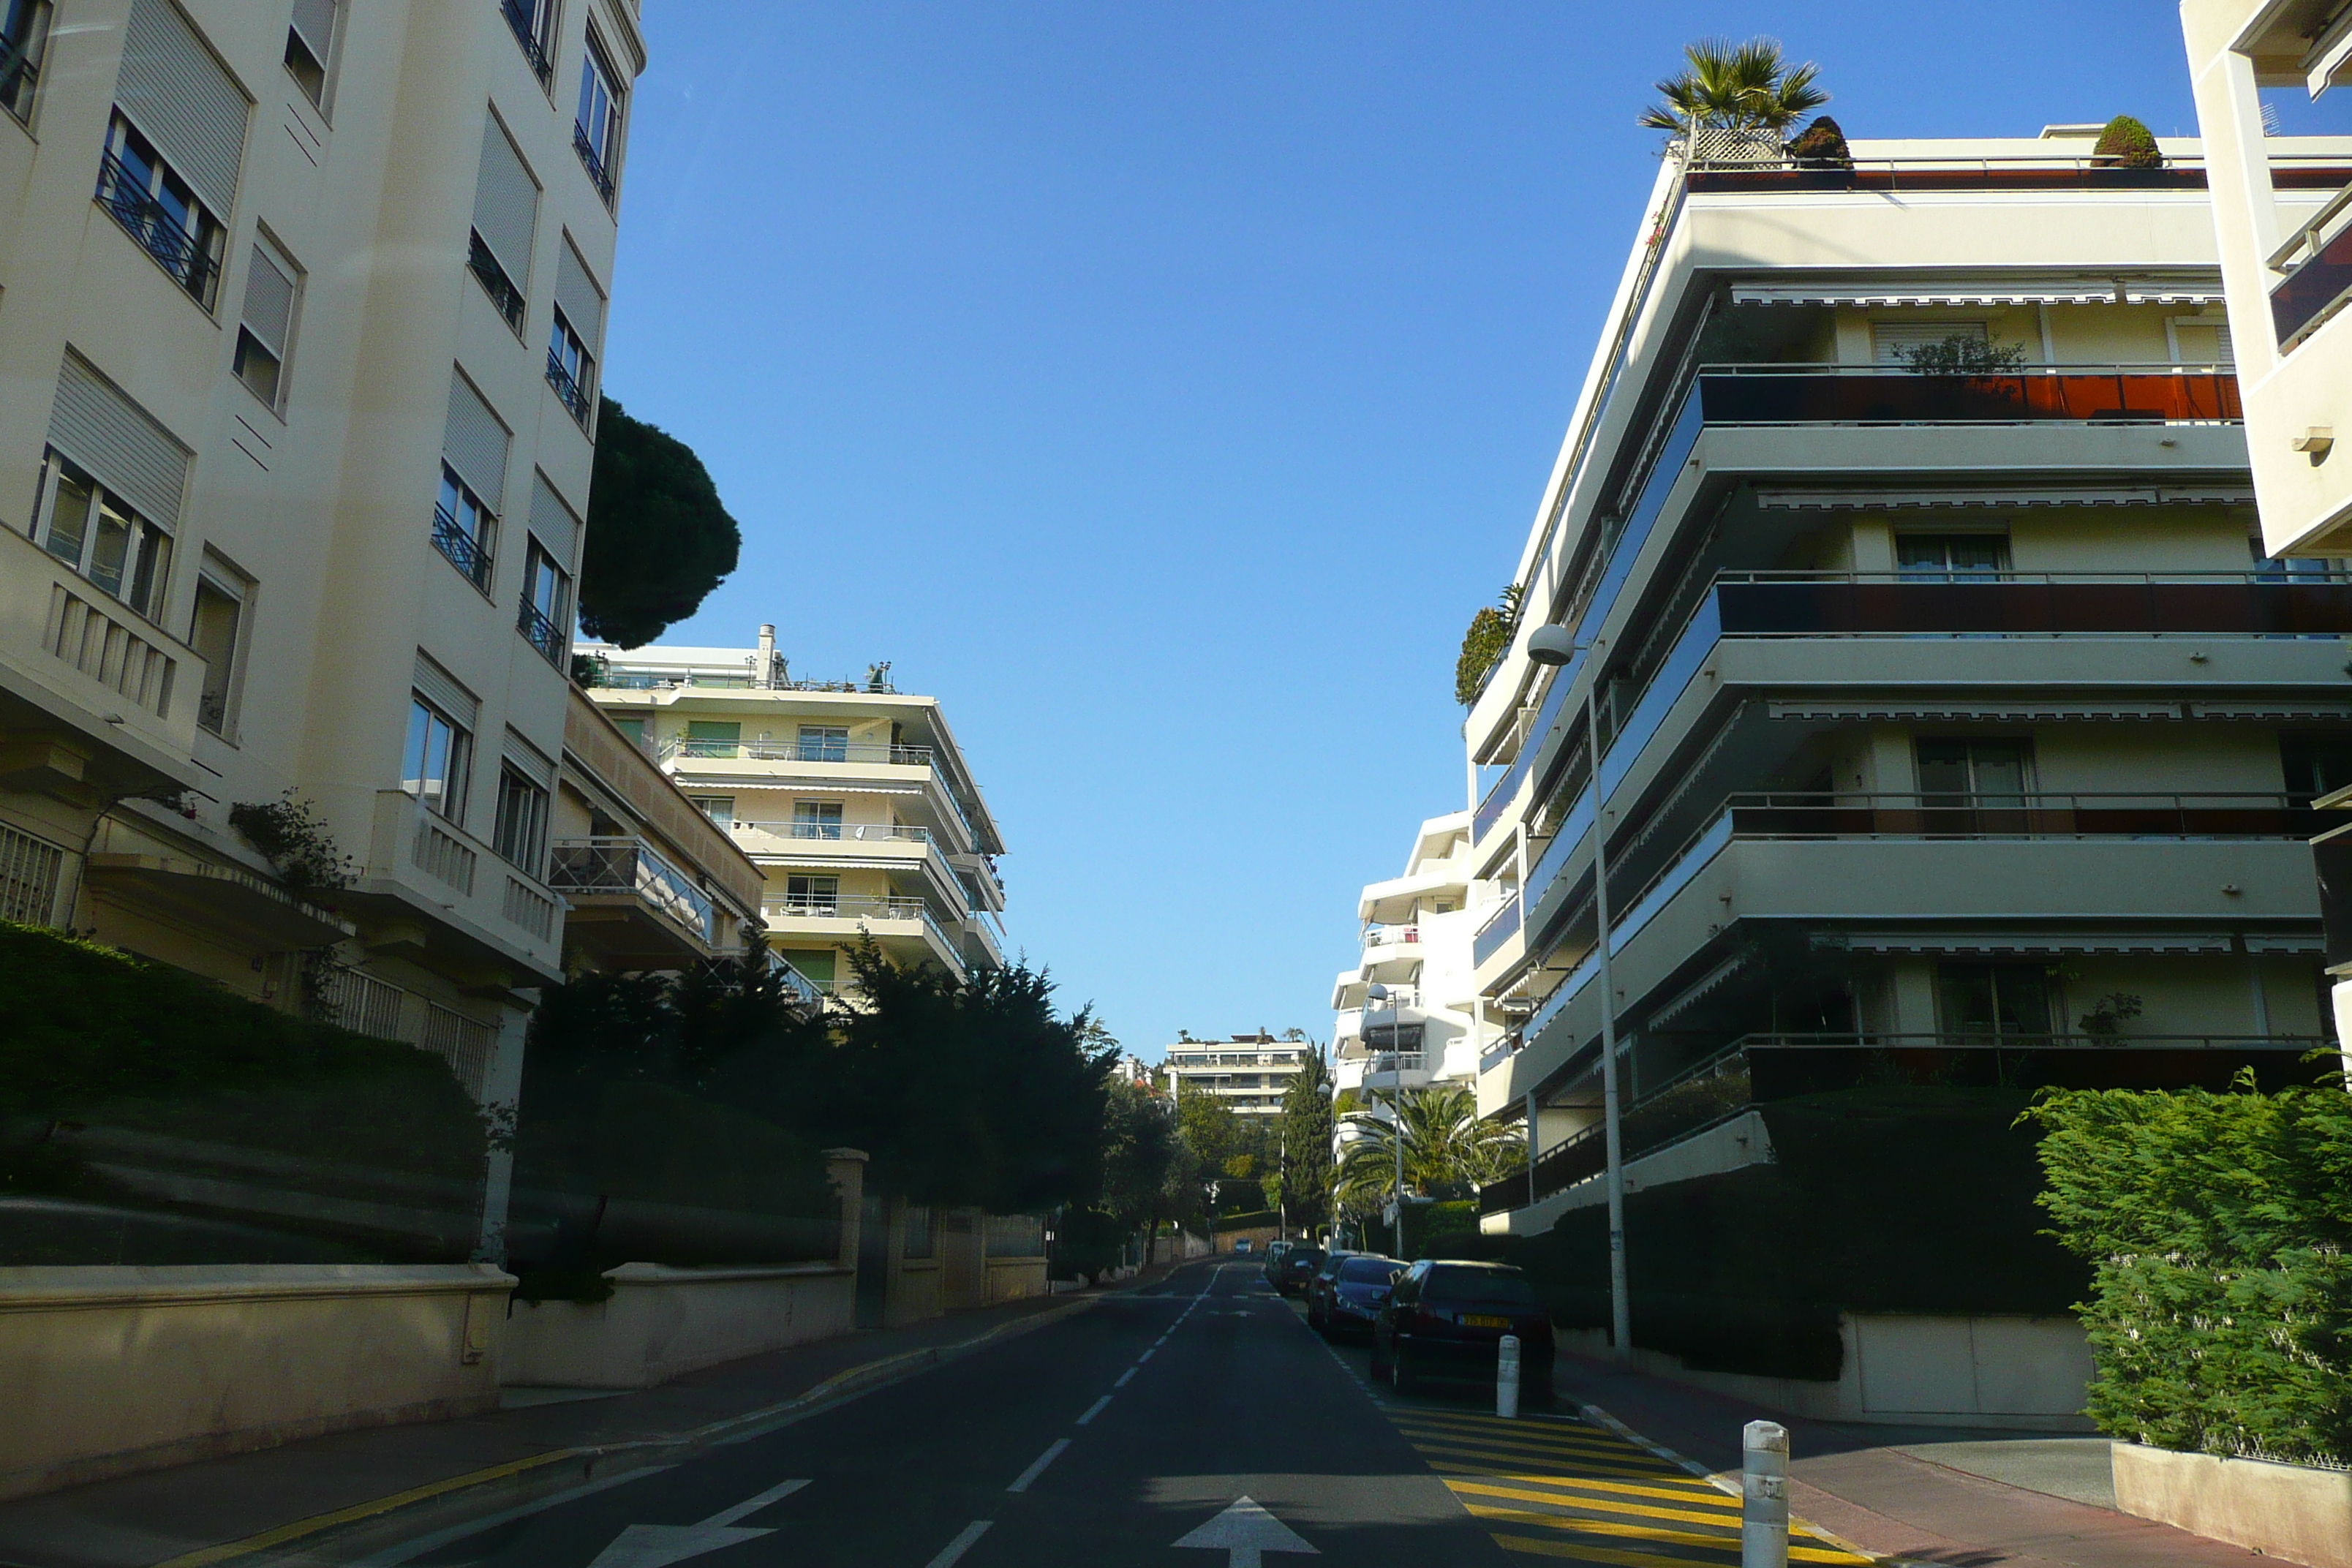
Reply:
x=1106, y=1438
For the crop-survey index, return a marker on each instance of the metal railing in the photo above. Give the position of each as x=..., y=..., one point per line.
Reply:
x=2317, y=261
x=1885, y=395
x=504, y=295
x=797, y=750
x=862, y=907
x=2029, y=171
x=593, y=160
x=803, y=990
x=621, y=865
x=1396, y=1061
x=157, y=230
x=1378, y=935
x=840, y=832
x=568, y=390
x=467, y=553
x=519, y=17
x=1495, y=930
x=19, y=78
x=2106, y=813
x=741, y=679
x=539, y=632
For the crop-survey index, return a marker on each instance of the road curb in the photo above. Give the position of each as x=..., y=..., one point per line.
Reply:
x=635, y=1453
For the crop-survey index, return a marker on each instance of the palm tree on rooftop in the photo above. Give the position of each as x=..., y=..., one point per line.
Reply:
x=1736, y=86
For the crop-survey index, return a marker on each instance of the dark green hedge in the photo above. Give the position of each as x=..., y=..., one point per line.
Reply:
x=1883, y=1200
x=2220, y=1310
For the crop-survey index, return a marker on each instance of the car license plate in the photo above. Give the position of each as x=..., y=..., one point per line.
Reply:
x=1479, y=1320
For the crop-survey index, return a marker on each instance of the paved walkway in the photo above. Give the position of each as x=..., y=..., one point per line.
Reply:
x=1966, y=1499
x=193, y=1515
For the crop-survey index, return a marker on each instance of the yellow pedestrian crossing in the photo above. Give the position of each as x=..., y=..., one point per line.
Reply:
x=1557, y=1486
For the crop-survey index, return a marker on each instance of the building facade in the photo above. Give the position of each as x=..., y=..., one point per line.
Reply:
x=1415, y=937
x=851, y=797
x=302, y=308
x=1949, y=704
x=1249, y=1073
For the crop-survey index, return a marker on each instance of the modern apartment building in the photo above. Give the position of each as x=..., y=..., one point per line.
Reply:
x=1250, y=1073
x=1949, y=703
x=851, y=797
x=1416, y=931
x=301, y=304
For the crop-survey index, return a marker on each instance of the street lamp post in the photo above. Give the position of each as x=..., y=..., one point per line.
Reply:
x=1377, y=993
x=1555, y=644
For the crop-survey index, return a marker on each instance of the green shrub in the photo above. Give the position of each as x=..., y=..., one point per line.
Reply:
x=2126, y=143
x=1823, y=142
x=1484, y=646
x=2220, y=1312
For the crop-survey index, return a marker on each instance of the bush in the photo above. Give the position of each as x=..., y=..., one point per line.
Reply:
x=2216, y=1225
x=1823, y=142
x=1484, y=646
x=2126, y=143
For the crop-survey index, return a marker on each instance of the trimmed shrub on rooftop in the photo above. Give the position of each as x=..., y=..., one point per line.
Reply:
x=1484, y=646
x=2126, y=143
x=1823, y=142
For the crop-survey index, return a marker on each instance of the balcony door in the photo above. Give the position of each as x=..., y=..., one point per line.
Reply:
x=1993, y=1001
x=813, y=895
x=1972, y=788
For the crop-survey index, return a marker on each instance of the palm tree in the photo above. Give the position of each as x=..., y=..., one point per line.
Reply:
x=1446, y=1148
x=1736, y=86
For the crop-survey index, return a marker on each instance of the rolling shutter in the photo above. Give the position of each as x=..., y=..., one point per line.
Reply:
x=506, y=203
x=583, y=304
x=188, y=105
x=314, y=24
x=112, y=437
x=269, y=303
x=528, y=760
x=1892, y=341
x=441, y=688
x=475, y=443
x=552, y=521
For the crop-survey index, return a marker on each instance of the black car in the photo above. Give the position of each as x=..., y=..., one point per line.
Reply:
x=1345, y=1296
x=1298, y=1266
x=1445, y=1319
x=1274, y=1251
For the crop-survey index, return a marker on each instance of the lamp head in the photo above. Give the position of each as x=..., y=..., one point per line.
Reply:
x=1376, y=992
x=1551, y=645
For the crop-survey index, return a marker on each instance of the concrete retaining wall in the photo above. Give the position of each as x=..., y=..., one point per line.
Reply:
x=661, y=1323
x=1015, y=1279
x=2294, y=1511
x=132, y=1368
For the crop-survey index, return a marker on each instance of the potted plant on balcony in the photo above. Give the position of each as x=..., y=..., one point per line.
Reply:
x=2126, y=143
x=1746, y=94
x=1822, y=145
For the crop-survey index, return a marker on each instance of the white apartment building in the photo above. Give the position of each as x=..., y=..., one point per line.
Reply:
x=853, y=798
x=1250, y=1073
x=1954, y=724
x=300, y=306
x=1415, y=944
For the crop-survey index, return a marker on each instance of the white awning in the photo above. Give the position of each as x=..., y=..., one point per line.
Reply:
x=1899, y=711
x=1948, y=292
x=1793, y=499
x=2275, y=711
x=2314, y=943
x=2029, y=944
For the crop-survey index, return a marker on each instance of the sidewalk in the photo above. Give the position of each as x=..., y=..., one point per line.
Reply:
x=543, y=1440
x=1925, y=1495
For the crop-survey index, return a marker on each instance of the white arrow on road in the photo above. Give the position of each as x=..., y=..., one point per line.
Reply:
x=657, y=1545
x=1244, y=1531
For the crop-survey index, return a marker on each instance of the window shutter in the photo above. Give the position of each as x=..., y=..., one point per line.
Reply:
x=475, y=443
x=506, y=203
x=1887, y=337
x=314, y=23
x=175, y=90
x=529, y=760
x=552, y=521
x=269, y=303
x=441, y=688
x=123, y=448
x=582, y=302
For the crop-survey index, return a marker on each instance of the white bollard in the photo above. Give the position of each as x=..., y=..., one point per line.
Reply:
x=1764, y=1495
x=1506, y=1377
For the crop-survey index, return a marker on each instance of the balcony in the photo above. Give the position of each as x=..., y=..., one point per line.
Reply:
x=473, y=904
x=1496, y=931
x=1875, y=394
x=1378, y=935
x=20, y=78
x=2317, y=261
x=520, y=20
x=541, y=633
x=504, y=295
x=158, y=231
x=593, y=160
x=617, y=885
x=803, y=992
x=798, y=750
x=1764, y=170
x=835, y=832
x=847, y=915
x=469, y=555
x=568, y=390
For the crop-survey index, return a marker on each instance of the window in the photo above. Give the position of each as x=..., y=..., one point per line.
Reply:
x=24, y=36
x=816, y=965
x=159, y=210
x=216, y=632
x=520, y=833
x=1950, y=557
x=825, y=742
x=816, y=819
x=596, y=133
x=1975, y=773
x=2315, y=763
x=434, y=767
x=533, y=23
x=268, y=326
x=309, y=45
x=719, y=808
x=1996, y=999
x=1894, y=343
x=546, y=604
x=712, y=737
x=568, y=367
x=811, y=895
x=96, y=533
x=463, y=528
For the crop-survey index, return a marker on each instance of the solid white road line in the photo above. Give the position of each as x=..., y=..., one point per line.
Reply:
x=725, y=1516
x=1123, y=1377
x=1147, y=1355
x=955, y=1548
x=1038, y=1468
x=1094, y=1409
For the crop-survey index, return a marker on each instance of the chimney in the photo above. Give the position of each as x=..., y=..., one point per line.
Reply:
x=765, y=677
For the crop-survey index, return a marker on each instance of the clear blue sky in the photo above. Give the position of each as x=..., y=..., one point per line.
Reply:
x=1164, y=386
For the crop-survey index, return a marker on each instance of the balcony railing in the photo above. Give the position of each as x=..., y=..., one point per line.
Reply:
x=839, y=831
x=862, y=907
x=157, y=230
x=539, y=632
x=466, y=552
x=1876, y=394
x=1495, y=930
x=2318, y=262
x=797, y=750
x=1746, y=170
x=504, y=295
x=1390, y=935
x=2085, y=815
x=593, y=160
x=19, y=78
x=739, y=678
x=1395, y=1061
x=568, y=390
x=631, y=866
x=802, y=989
x=518, y=16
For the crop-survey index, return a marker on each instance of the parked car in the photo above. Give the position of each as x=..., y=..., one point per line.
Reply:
x=1298, y=1266
x=1242, y=1246
x=1445, y=1319
x=1343, y=1301
x=1274, y=1251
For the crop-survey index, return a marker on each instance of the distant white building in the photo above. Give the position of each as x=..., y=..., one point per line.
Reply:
x=1249, y=1072
x=1416, y=945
